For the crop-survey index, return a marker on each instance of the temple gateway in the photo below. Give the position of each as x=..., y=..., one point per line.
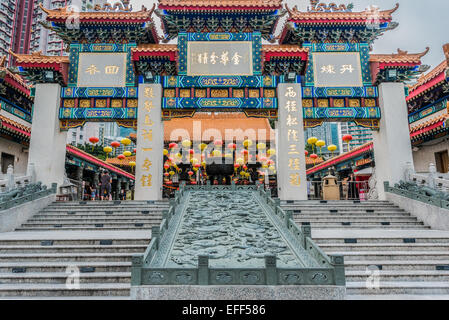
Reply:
x=226, y=201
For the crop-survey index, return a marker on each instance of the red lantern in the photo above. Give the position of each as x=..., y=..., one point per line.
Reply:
x=244, y=167
x=347, y=138
x=94, y=140
x=236, y=166
x=232, y=146
x=218, y=142
x=190, y=173
x=135, y=150
x=166, y=174
x=166, y=166
x=169, y=182
x=197, y=165
x=191, y=151
x=244, y=152
x=306, y=153
x=115, y=144
x=121, y=157
x=314, y=156
x=172, y=145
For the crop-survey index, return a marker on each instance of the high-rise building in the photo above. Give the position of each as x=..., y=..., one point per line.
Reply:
x=328, y=132
x=21, y=31
x=360, y=135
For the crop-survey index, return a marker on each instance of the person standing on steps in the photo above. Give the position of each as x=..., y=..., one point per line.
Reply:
x=106, y=181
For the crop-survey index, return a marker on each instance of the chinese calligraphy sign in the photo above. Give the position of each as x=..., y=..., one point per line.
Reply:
x=219, y=58
x=149, y=143
x=102, y=70
x=292, y=182
x=337, y=69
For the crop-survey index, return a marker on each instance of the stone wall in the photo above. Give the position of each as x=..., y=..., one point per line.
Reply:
x=17, y=150
x=426, y=153
x=433, y=216
x=13, y=218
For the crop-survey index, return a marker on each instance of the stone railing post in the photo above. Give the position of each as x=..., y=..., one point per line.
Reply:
x=203, y=270
x=432, y=175
x=155, y=234
x=136, y=269
x=10, y=184
x=288, y=216
x=270, y=269
x=306, y=233
x=338, y=262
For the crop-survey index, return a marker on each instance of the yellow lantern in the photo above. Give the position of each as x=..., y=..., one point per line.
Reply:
x=165, y=152
x=332, y=148
x=271, y=152
x=178, y=155
x=186, y=143
x=125, y=141
x=202, y=146
x=247, y=143
x=272, y=168
x=171, y=172
x=264, y=166
x=261, y=146
x=132, y=164
x=320, y=144
x=216, y=153
x=203, y=163
x=242, y=173
x=312, y=141
x=107, y=150
x=127, y=153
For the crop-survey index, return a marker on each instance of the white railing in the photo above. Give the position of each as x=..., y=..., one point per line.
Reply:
x=9, y=181
x=432, y=179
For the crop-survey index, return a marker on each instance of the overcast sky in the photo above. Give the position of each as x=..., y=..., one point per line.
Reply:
x=421, y=24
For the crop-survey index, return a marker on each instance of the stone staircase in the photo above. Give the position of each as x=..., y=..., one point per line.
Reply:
x=95, y=239
x=380, y=242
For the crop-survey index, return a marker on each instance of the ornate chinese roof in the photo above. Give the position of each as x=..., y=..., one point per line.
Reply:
x=14, y=128
x=428, y=81
x=12, y=80
x=110, y=23
x=407, y=66
x=220, y=4
x=33, y=66
x=235, y=16
x=329, y=23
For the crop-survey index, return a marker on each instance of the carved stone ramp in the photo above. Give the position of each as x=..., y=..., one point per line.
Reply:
x=216, y=237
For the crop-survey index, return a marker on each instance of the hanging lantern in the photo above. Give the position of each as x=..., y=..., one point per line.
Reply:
x=232, y=146
x=320, y=144
x=314, y=157
x=245, y=167
x=272, y=168
x=190, y=173
x=115, y=144
x=244, y=152
x=306, y=152
x=218, y=142
x=236, y=166
x=121, y=157
x=166, y=166
x=191, y=151
x=186, y=143
x=132, y=164
x=127, y=153
x=263, y=159
x=197, y=165
x=93, y=140
x=312, y=141
x=134, y=150
x=347, y=138
x=261, y=146
x=171, y=172
x=247, y=143
x=172, y=145
x=332, y=148
x=166, y=174
x=216, y=153
x=107, y=150
x=202, y=146
x=271, y=152
x=125, y=141
x=165, y=152
x=242, y=173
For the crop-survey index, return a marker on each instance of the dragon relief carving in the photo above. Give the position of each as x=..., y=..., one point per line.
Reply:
x=118, y=6
x=315, y=6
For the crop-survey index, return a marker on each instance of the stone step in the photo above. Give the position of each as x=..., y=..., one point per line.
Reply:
x=48, y=290
x=95, y=220
x=81, y=223
x=422, y=264
x=380, y=240
x=82, y=228
x=73, y=242
x=74, y=248
x=102, y=211
x=59, y=266
x=397, y=297
x=330, y=225
x=300, y=218
x=66, y=257
x=333, y=210
x=400, y=287
x=398, y=275
x=333, y=247
x=62, y=277
x=393, y=255
x=97, y=216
